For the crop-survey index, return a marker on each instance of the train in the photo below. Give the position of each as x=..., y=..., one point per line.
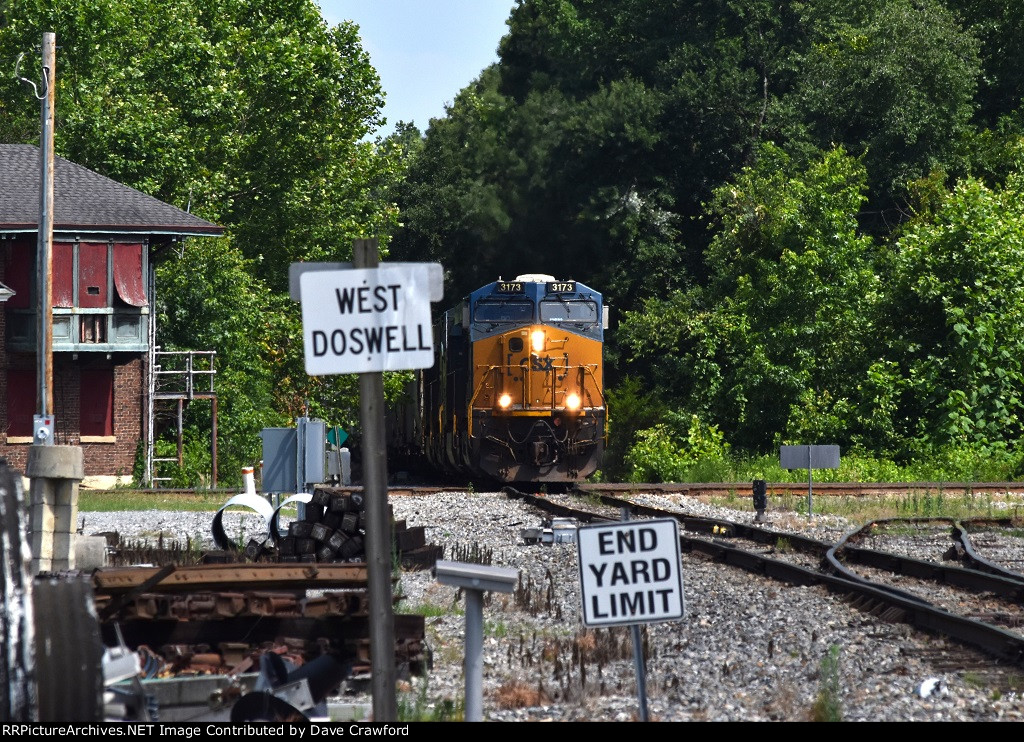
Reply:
x=516, y=392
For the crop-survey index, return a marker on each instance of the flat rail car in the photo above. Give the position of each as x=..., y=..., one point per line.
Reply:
x=516, y=392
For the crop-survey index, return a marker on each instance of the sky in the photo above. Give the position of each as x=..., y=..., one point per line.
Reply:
x=425, y=51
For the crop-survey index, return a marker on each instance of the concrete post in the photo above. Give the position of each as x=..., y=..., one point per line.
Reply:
x=54, y=473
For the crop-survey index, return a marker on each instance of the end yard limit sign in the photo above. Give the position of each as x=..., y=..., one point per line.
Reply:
x=630, y=572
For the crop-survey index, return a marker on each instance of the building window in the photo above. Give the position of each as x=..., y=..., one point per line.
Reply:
x=96, y=405
x=21, y=403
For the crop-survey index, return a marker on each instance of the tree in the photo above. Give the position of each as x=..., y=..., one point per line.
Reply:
x=252, y=114
x=957, y=305
x=787, y=319
x=891, y=81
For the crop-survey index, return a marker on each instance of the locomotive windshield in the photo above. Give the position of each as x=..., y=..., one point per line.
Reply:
x=503, y=311
x=568, y=311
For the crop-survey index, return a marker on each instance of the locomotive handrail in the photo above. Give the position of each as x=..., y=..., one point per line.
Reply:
x=479, y=388
x=589, y=367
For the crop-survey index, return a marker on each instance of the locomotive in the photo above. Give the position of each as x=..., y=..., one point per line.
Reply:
x=516, y=392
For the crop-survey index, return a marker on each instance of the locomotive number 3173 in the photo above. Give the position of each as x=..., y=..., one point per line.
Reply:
x=561, y=287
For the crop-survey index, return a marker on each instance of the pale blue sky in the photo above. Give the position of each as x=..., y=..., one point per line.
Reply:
x=425, y=51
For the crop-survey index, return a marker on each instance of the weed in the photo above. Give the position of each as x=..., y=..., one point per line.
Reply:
x=498, y=629
x=517, y=695
x=420, y=708
x=973, y=679
x=828, y=704
x=474, y=554
x=431, y=610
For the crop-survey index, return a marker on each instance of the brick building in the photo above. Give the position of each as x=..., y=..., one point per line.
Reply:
x=107, y=238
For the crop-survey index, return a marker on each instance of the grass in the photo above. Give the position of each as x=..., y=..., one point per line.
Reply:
x=828, y=703
x=429, y=610
x=916, y=504
x=103, y=501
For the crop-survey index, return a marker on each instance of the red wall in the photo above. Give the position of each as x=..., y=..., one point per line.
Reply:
x=101, y=459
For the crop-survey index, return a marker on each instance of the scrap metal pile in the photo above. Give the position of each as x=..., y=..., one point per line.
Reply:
x=299, y=594
x=330, y=528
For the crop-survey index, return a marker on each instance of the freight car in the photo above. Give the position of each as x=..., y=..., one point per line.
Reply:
x=516, y=392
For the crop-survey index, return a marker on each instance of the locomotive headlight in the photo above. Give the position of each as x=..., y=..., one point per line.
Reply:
x=572, y=401
x=504, y=401
x=537, y=340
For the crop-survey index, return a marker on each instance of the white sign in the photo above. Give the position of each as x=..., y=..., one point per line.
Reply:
x=630, y=572
x=367, y=319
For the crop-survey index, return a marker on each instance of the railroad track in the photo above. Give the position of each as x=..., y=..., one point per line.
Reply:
x=711, y=489
x=982, y=610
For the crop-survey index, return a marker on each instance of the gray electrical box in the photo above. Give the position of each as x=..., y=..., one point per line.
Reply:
x=314, y=449
x=294, y=457
x=42, y=430
x=279, y=465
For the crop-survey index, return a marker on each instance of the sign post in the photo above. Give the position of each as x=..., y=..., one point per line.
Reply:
x=631, y=573
x=366, y=319
x=812, y=457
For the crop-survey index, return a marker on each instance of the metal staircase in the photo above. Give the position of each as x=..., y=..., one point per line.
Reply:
x=176, y=378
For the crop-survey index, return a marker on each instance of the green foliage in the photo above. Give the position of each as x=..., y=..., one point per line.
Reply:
x=674, y=451
x=629, y=410
x=194, y=471
x=958, y=296
x=806, y=215
x=775, y=345
x=252, y=114
x=249, y=112
x=893, y=81
x=828, y=704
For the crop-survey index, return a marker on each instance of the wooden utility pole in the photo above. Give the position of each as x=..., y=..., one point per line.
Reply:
x=44, y=395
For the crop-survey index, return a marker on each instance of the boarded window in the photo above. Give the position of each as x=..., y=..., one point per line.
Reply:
x=21, y=402
x=63, y=274
x=92, y=275
x=96, y=412
x=128, y=279
x=20, y=264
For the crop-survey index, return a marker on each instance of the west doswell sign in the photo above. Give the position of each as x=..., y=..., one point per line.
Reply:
x=363, y=320
x=630, y=572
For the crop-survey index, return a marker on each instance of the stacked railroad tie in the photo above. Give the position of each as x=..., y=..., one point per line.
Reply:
x=332, y=528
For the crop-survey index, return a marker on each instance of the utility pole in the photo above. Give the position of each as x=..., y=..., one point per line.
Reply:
x=54, y=471
x=43, y=427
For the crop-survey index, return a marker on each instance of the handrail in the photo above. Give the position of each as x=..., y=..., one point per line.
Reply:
x=188, y=374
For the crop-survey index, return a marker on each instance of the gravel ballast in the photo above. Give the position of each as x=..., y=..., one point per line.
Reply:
x=747, y=649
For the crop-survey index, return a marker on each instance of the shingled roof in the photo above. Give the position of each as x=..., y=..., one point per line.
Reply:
x=84, y=201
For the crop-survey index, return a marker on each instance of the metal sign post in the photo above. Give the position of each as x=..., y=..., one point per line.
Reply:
x=475, y=580
x=813, y=457
x=365, y=318
x=631, y=573
x=378, y=528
